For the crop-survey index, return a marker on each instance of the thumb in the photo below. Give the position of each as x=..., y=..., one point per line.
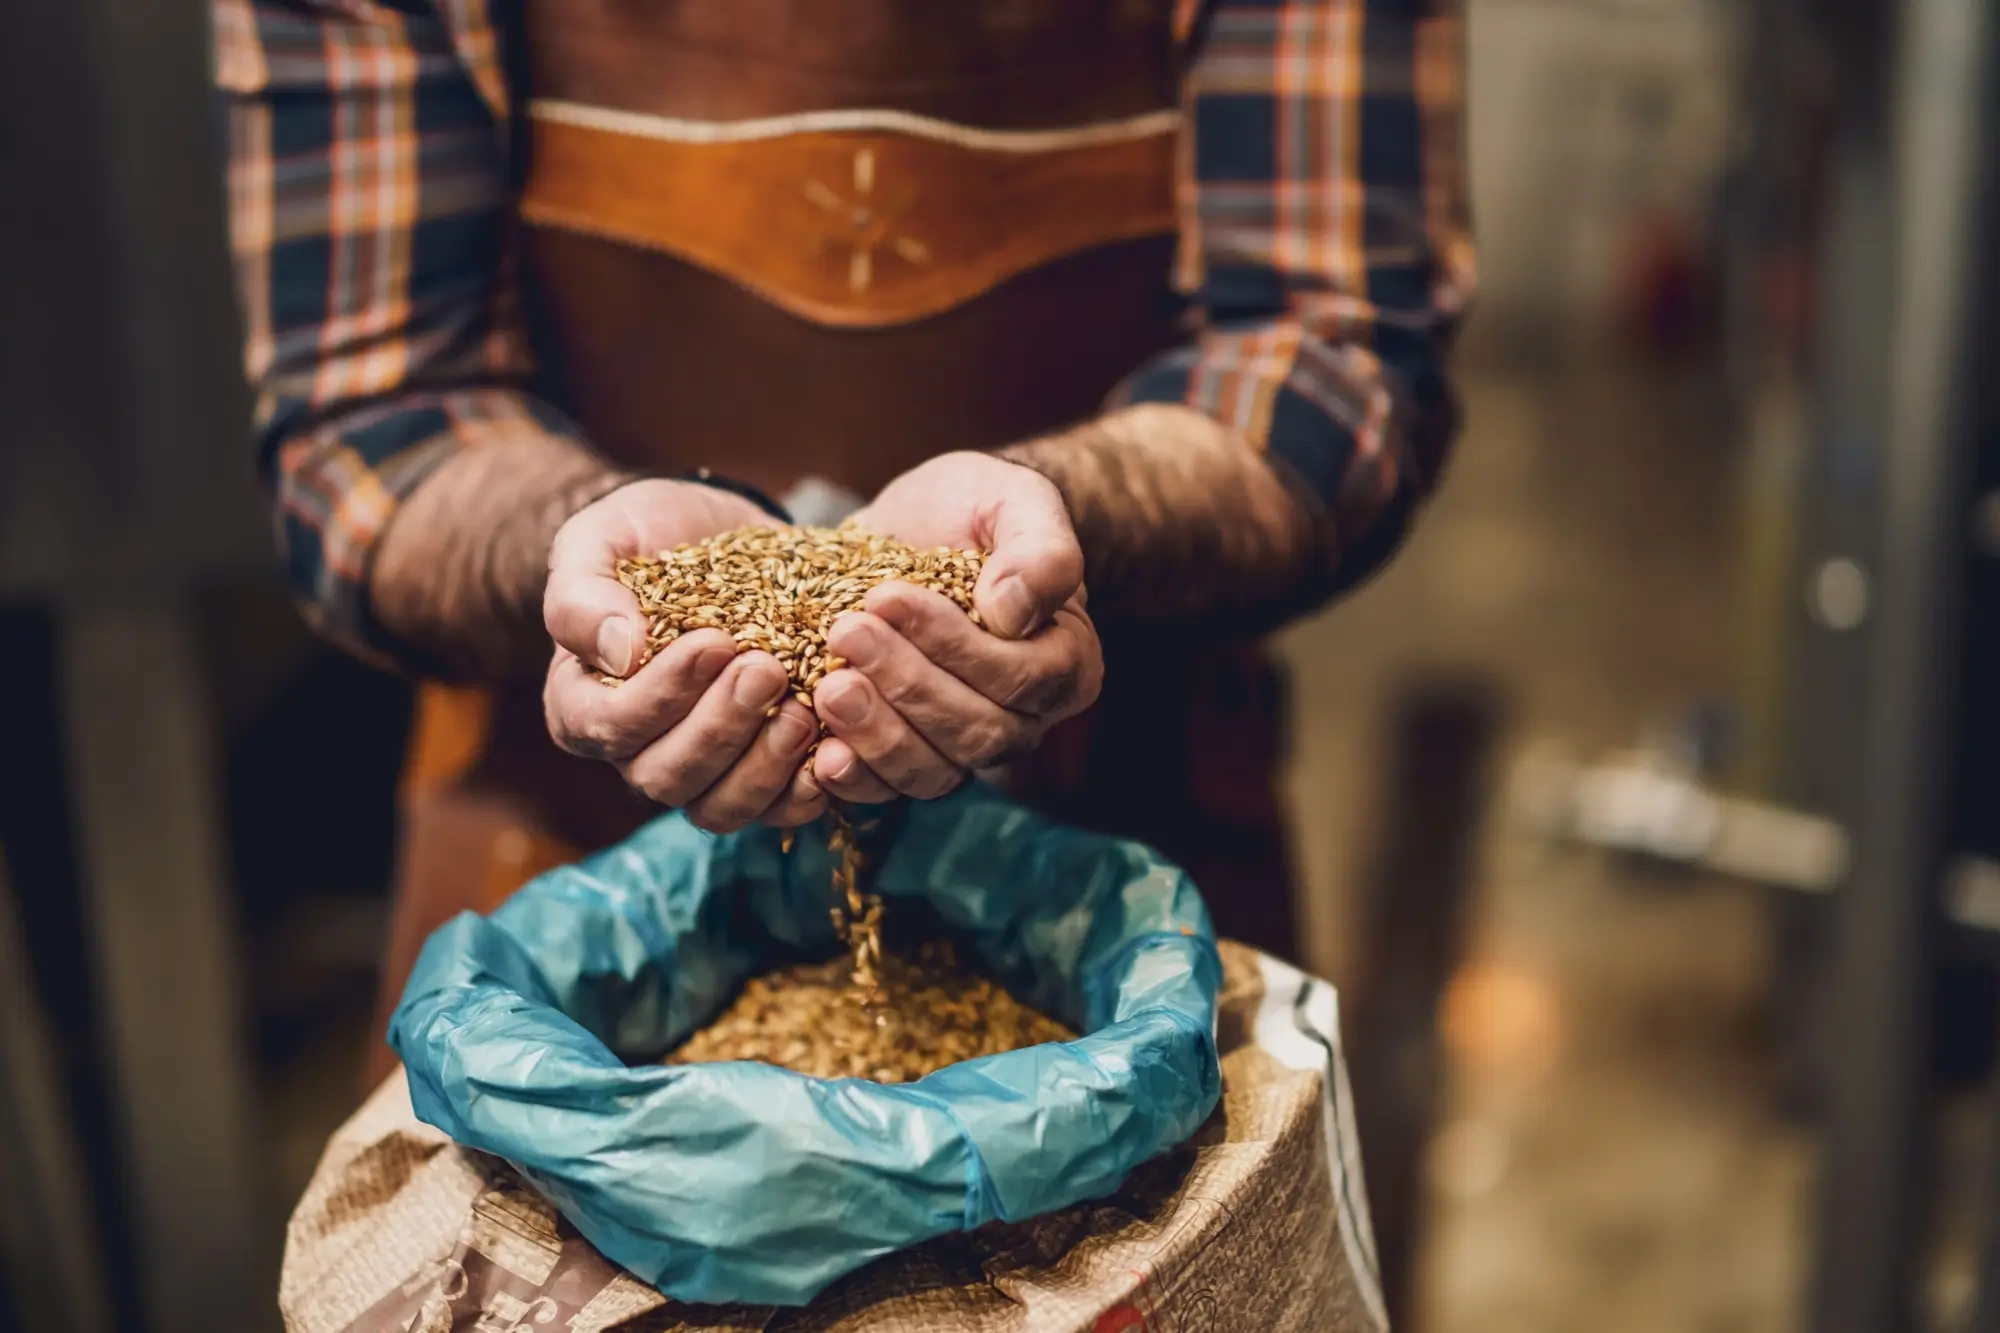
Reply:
x=597, y=618
x=1035, y=565
x=587, y=610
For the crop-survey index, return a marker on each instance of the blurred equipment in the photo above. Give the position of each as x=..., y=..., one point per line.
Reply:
x=1926, y=150
x=1652, y=805
x=1880, y=800
x=1646, y=804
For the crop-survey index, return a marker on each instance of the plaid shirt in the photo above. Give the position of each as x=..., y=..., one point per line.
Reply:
x=1324, y=239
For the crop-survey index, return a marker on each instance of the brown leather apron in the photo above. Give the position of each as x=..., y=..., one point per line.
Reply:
x=790, y=240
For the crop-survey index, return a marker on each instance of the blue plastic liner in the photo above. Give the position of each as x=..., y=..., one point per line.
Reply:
x=530, y=1034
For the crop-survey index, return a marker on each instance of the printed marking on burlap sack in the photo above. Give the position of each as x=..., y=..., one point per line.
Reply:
x=480, y=1288
x=1196, y=1223
x=1194, y=1312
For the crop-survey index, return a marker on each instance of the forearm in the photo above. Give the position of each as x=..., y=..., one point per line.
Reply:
x=1179, y=518
x=458, y=574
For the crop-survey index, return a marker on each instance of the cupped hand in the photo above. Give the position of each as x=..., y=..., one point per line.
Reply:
x=928, y=695
x=693, y=728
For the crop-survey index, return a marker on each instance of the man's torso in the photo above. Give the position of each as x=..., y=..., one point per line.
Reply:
x=785, y=239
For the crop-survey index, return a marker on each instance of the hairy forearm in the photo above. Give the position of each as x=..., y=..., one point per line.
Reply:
x=459, y=572
x=1180, y=518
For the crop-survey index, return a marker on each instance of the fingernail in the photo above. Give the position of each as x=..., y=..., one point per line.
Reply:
x=849, y=705
x=1013, y=607
x=713, y=662
x=843, y=773
x=888, y=602
x=859, y=643
x=756, y=688
x=614, y=646
x=790, y=732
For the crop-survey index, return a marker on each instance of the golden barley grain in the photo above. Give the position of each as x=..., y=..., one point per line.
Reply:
x=933, y=1013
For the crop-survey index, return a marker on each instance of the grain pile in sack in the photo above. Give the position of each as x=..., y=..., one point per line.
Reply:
x=1020, y=1191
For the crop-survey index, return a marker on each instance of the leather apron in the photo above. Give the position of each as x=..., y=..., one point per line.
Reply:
x=801, y=241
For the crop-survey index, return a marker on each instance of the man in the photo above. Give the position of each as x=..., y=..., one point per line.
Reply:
x=531, y=286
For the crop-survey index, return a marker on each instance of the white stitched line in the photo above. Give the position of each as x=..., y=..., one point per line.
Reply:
x=673, y=130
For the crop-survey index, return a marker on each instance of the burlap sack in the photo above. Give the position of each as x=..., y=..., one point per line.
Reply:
x=1260, y=1222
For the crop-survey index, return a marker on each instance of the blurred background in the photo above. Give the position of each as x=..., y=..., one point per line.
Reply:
x=1648, y=807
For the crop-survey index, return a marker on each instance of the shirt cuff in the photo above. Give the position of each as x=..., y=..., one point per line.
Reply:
x=1369, y=505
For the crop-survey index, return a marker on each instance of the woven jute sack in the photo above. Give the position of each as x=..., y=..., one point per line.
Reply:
x=1258, y=1222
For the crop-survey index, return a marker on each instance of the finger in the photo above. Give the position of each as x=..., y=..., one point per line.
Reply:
x=584, y=607
x=763, y=776
x=595, y=617
x=841, y=774
x=855, y=711
x=881, y=739
x=1050, y=675
x=689, y=759
x=803, y=802
x=1034, y=565
x=962, y=725
x=588, y=718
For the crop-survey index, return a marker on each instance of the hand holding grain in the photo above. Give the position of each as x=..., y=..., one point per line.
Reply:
x=929, y=695
x=688, y=726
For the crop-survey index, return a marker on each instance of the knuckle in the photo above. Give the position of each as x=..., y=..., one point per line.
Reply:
x=788, y=738
x=580, y=718
x=714, y=817
x=1015, y=690
x=1049, y=686
x=742, y=801
x=902, y=693
x=894, y=682
x=1090, y=683
x=876, y=770
x=718, y=736
x=1060, y=685
x=938, y=782
x=795, y=812
x=663, y=782
x=1067, y=566
x=595, y=735
x=992, y=743
x=656, y=792
x=568, y=735
x=925, y=781
x=860, y=787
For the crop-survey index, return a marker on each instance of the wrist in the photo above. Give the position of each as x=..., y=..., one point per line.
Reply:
x=695, y=507
x=1045, y=458
x=1178, y=516
x=457, y=577
x=742, y=490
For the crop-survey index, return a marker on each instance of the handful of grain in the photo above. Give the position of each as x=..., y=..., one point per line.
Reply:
x=780, y=589
x=931, y=1013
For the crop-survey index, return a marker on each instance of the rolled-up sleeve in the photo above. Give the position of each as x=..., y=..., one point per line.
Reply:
x=369, y=223
x=1325, y=240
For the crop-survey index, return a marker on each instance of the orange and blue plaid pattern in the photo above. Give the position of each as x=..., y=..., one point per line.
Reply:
x=1325, y=244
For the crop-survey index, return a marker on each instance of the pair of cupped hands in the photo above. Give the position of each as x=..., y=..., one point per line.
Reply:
x=927, y=698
